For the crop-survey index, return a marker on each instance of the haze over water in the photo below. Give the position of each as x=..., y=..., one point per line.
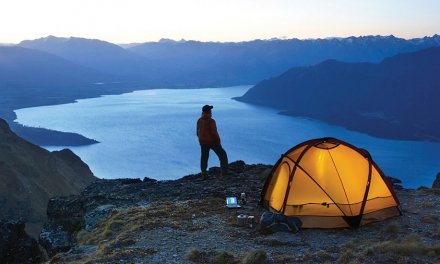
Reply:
x=151, y=133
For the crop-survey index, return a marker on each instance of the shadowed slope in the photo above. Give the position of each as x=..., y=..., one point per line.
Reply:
x=396, y=98
x=30, y=175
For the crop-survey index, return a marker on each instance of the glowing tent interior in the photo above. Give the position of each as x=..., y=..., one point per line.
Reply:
x=329, y=183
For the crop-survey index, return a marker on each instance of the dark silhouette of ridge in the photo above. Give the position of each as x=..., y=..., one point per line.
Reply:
x=30, y=175
x=396, y=98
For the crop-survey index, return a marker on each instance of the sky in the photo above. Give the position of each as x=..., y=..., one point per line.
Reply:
x=128, y=21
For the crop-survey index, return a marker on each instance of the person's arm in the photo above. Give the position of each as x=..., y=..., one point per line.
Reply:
x=214, y=131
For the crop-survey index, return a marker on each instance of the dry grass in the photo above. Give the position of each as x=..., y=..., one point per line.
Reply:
x=223, y=258
x=162, y=214
x=435, y=191
x=120, y=255
x=255, y=257
x=436, y=232
x=392, y=228
x=284, y=258
x=409, y=246
x=333, y=249
x=369, y=251
x=349, y=245
x=430, y=219
x=346, y=257
x=427, y=205
x=114, y=235
x=276, y=243
x=196, y=256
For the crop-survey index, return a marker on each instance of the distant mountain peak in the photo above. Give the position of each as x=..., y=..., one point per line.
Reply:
x=60, y=40
x=50, y=38
x=167, y=40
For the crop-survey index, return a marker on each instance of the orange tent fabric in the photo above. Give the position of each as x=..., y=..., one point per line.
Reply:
x=329, y=183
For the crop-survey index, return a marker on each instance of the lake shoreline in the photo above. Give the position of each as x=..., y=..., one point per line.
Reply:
x=48, y=137
x=146, y=129
x=45, y=137
x=394, y=131
x=368, y=129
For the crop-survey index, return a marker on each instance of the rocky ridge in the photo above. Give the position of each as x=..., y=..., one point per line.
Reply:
x=16, y=246
x=436, y=183
x=185, y=221
x=30, y=175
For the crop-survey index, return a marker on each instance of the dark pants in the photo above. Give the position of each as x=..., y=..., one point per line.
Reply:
x=221, y=153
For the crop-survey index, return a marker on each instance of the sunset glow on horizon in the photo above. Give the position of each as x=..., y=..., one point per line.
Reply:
x=127, y=21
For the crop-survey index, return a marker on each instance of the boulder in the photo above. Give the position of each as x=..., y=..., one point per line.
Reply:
x=436, y=183
x=65, y=218
x=149, y=180
x=16, y=246
x=237, y=166
x=55, y=239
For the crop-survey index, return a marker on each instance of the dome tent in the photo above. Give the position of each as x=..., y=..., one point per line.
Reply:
x=329, y=183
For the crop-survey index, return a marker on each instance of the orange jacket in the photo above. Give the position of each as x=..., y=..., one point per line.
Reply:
x=207, y=130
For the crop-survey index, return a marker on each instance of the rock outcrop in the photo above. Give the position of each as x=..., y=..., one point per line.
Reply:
x=65, y=217
x=436, y=183
x=16, y=246
x=186, y=221
x=69, y=215
x=30, y=175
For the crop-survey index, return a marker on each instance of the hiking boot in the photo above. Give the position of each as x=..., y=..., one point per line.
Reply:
x=204, y=175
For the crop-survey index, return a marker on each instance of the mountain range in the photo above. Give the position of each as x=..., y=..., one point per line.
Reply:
x=396, y=98
x=54, y=70
x=100, y=55
x=195, y=63
x=214, y=63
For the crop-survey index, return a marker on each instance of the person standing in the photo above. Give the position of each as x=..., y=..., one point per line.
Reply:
x=210, y=139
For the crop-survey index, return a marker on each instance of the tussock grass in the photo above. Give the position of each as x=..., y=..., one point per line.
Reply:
x=258, y=256
x=408, y=246
x=122, y=254
x=436, y=232
x=285, y=258
x=223, y=258
x=428, y=205
x=369, y=251
x=349, y=245
x=333, y=249
x=392, y=228
x=276, y=243
x=114, y=235
x=430, y=219
x=161, y=214
x=346, y=257
x=196, y=256
x=424, y=189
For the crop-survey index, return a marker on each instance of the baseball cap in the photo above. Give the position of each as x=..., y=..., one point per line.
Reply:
x=207, y=108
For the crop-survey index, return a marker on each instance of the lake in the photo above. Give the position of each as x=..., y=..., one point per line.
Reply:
x=152, y=133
